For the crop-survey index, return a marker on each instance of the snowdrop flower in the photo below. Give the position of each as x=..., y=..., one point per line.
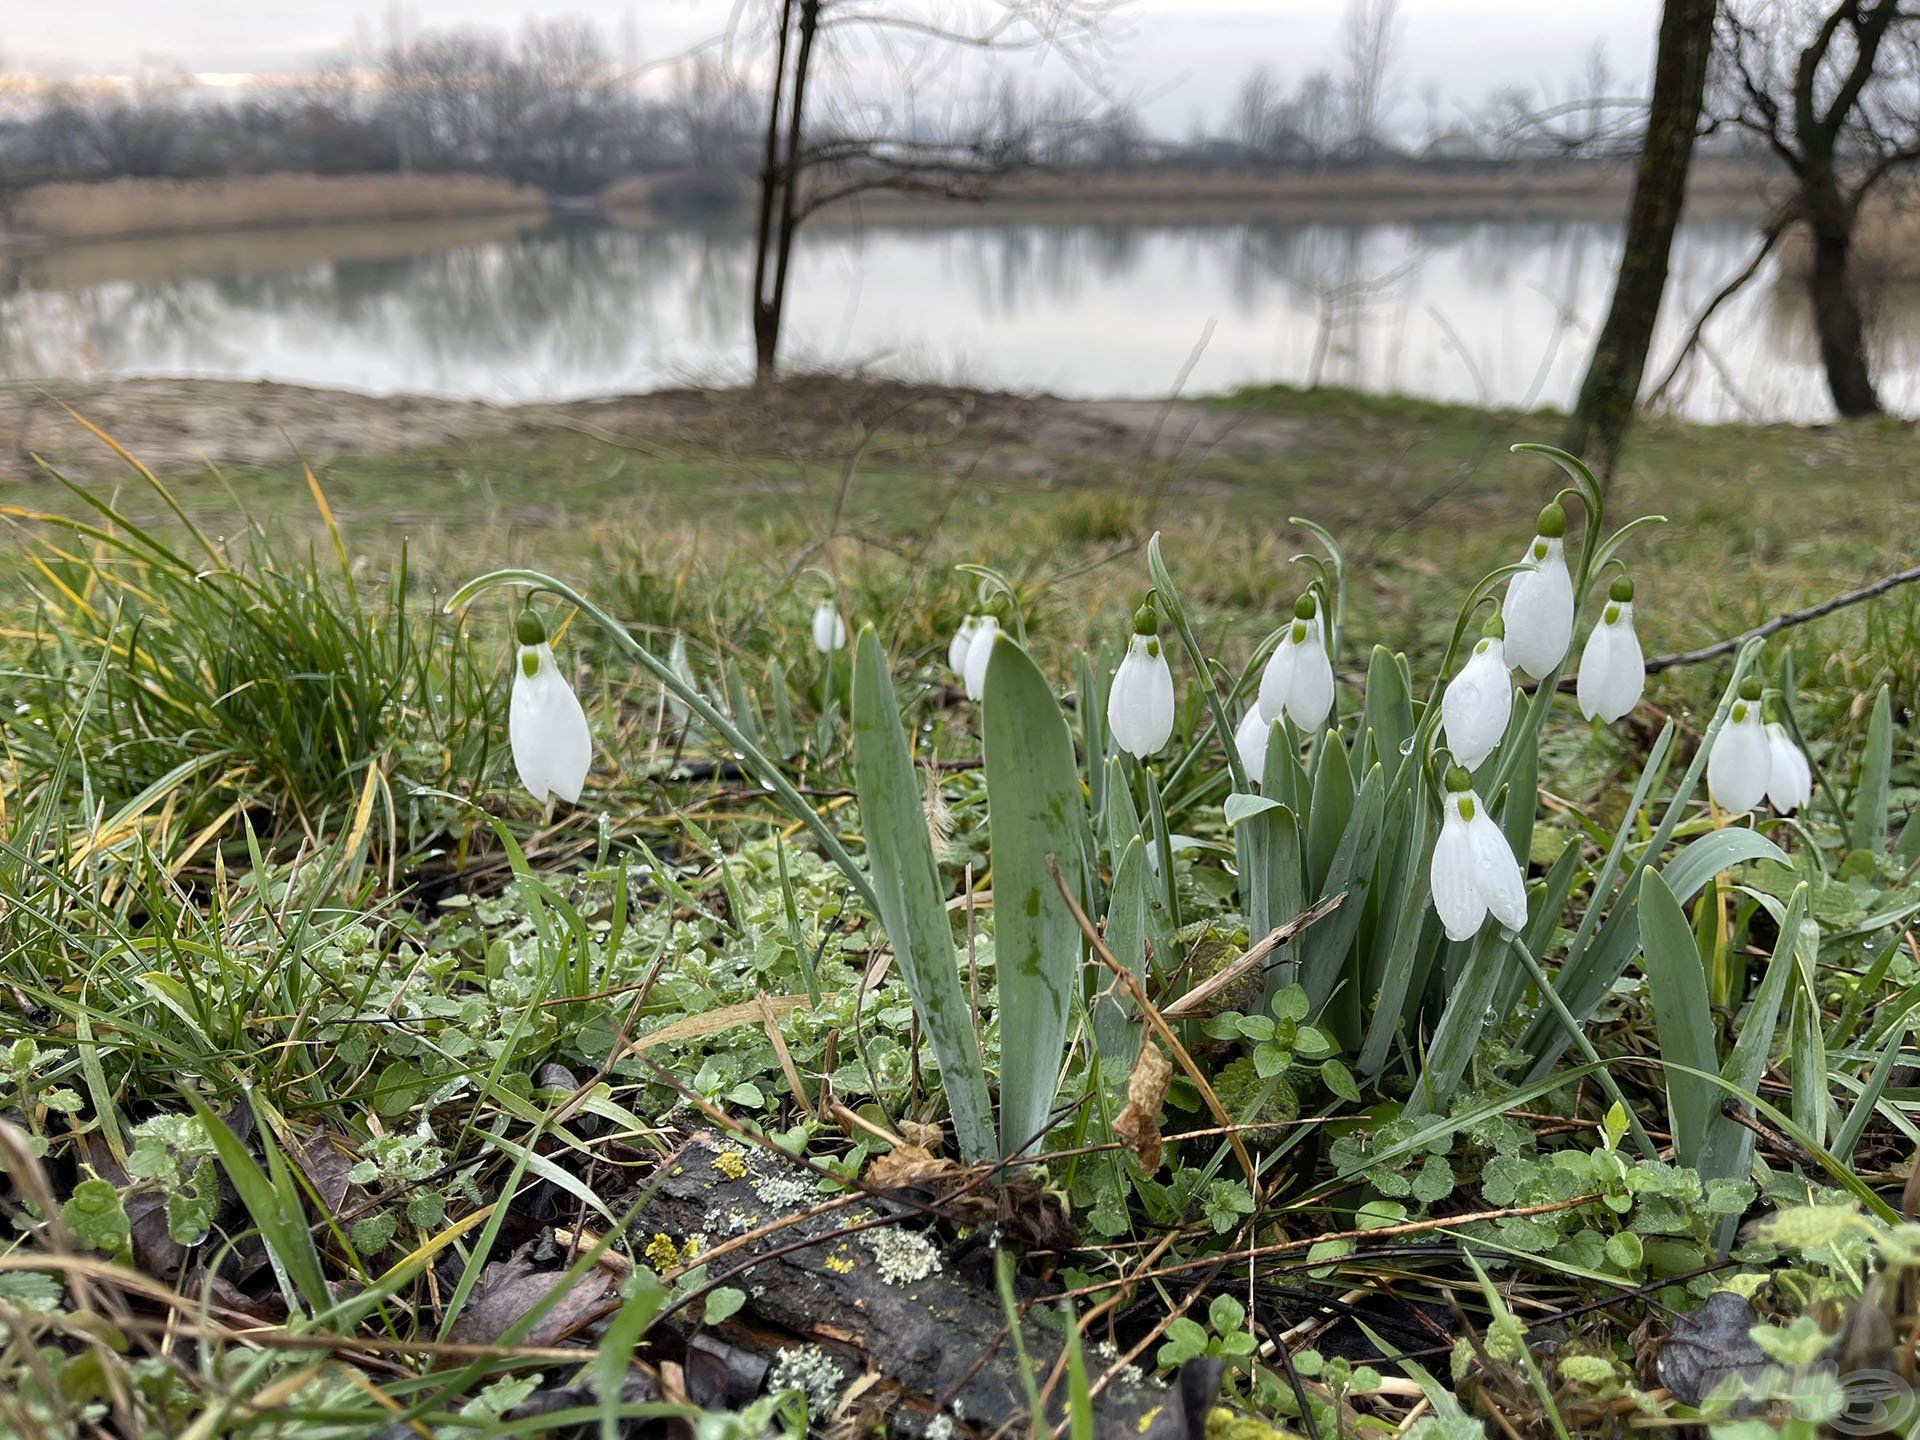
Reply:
x=1140, y=701
x=1251, y=741
x=547, y=727
x=980, y=650
x=1613, y=671
x=1474, y=873
x=1740, y=765
x=1539, y=604
x=1476, y=706
x=962, y=641
x=829, y=629
x=1298, y=680
x=1789, y=778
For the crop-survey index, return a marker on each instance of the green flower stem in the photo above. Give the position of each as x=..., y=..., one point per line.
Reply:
x=756, y=760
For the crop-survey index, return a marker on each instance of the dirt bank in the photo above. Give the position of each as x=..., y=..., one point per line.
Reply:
x=73, y=211
x=175, y=425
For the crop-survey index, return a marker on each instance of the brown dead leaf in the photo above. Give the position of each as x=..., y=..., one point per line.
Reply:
x=1138, y=1126
x=907, y=1165
x=510, y=1288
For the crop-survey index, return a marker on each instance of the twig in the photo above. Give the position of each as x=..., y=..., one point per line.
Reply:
x=1191, y=1002
x=1774, y=626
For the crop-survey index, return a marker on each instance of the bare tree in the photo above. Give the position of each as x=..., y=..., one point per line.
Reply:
x=1612, y=384
x=1832, y=90
x=1256, y=113
x=1370, y=40
x=812, y=158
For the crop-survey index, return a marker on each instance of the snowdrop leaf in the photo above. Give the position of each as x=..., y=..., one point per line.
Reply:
x=1867, y=827
x=1683, y=1016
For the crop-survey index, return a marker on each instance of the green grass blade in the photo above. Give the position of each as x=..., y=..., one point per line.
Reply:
x=272, y=1202
x=1867, y=826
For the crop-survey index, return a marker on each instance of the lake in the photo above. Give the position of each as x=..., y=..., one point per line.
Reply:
x=1497, y=311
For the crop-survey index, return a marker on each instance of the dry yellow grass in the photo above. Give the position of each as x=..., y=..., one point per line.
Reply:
x=74, y=211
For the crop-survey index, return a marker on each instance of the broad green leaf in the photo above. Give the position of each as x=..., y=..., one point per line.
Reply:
x=1327, y=950
x=906, y=882
x=1457, y=1036
x=1330, y=808
x=1116, y=1029
x=1387, y=715
x=1867, y=826
x=1034, y=813
x=1682, y=1016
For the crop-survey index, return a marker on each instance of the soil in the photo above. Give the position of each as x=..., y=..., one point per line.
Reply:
x=175, y=424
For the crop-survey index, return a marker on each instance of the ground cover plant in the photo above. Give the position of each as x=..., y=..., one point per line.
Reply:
x=1232, y=996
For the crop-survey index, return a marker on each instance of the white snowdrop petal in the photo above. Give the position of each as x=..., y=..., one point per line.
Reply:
x=962, y=641
x=1740, y=764
x=1251, y=741
x=1311, y=698
x=1276, y=681
x=1613, y=671
x=1789, y=777
x=829, y=629
x=1476, y=705
x=979, y=651
x=1140, y=700
x=1538, y=610
x=547, y=729
x=1497, y=875
x=1456, y=896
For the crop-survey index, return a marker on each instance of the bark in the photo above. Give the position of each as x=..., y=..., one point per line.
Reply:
x=1612, y=385
x=779, y=189
x=1836, y=303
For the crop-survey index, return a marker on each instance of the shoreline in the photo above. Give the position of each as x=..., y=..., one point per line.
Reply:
x=69, y=214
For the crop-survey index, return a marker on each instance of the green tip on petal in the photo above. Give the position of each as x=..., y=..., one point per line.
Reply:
x=1621, y=590
x=1459, y=780
x=529, y=630
x=1305, y=608
x=1553, y=521
x=1750, y=688
x=1495, y=628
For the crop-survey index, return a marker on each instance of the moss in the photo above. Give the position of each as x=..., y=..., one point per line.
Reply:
x=1225, y=1424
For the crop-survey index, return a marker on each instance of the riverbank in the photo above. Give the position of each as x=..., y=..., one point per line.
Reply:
x=68, y=213
x=116, y=209
x=862, y=473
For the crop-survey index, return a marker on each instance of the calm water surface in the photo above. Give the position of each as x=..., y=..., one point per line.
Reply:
x=1498, y=311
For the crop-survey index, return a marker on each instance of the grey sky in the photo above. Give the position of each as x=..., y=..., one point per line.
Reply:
x=1180, y=58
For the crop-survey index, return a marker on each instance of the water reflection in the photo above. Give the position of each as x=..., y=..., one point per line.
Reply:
x=1500, y=311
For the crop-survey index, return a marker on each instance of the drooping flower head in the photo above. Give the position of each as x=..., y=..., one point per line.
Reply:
x=1298, y=680
x=1789, y=777
x=1740, y=765
x=1478, y=702
x=1140, y=700
x=1613, y=671
x=980, y=650
x=1250, y=739
x=545, y=724
x=962, y=641
x=1539, y=603
x=1474, y=873
x=829, y=627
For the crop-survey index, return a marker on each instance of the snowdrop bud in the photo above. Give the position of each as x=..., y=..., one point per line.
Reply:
x=545, y=724
x=1740, y=765
x=1613, y=671
x=1140, y=700
x=979, y=651
x=1298, y=680
x=1789, y=778
x=1251, y=741
x=829, y=629
x=962, y=641
x=1476, y=706
x=1539, y=604
x=1474, y=873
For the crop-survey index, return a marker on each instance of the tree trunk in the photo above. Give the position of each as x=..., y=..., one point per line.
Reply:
x=1612, y=385
x=1836, y=315
x=779, y=191
x=766, y=323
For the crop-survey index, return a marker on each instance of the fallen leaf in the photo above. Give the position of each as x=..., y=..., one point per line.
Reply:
x=508, y=1289
x=1705, y=1347
x=907, y=1165
x=1138, y=1125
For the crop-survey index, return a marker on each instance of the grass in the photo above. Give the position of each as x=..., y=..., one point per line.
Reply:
x=311, y=1027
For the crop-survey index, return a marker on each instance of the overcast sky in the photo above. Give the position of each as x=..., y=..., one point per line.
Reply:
x=1177, y=58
